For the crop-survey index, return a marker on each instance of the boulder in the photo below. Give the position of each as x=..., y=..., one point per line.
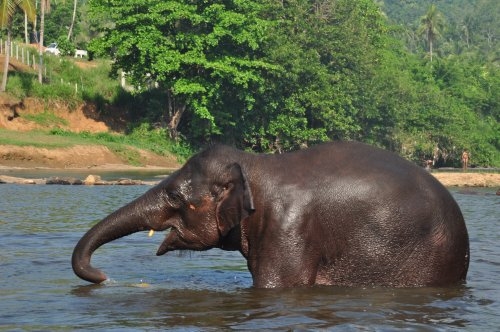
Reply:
x=63, y=181
x=16, y=180
x=128, y=182
x=92, y=180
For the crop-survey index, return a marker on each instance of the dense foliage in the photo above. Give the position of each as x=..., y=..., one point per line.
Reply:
x=276, y=76
x=470, y=26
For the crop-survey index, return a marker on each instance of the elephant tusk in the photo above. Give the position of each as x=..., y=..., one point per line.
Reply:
x=151, y=233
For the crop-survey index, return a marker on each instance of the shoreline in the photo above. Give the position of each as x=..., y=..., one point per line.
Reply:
x=468, y=179
x=102, y=167
x=449, y=178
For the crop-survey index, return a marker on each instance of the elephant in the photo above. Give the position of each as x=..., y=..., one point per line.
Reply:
x=339, y=213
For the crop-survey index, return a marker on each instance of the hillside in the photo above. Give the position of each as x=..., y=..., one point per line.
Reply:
x=15, y=117
x=26, y=143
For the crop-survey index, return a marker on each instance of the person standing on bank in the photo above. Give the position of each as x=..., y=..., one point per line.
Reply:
x=465, y=160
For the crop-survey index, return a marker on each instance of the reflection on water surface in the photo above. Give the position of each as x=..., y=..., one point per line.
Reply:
x=199, y=291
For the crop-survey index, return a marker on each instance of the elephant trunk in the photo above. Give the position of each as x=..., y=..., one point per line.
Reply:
x=125, y=221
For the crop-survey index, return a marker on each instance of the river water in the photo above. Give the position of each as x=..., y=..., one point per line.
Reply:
x=204, y=291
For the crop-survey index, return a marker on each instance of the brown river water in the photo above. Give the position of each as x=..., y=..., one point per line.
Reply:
x=212, y=290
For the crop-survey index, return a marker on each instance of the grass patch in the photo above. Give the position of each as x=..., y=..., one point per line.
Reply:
x=141, y=137
x=125, y=146
x=65, y=81
x=36, y=138
x=46, y=119
x=130, y=155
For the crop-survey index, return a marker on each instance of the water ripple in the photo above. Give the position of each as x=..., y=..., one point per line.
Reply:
x=207, y=291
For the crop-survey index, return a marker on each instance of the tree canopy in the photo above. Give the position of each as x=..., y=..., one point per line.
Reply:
x=276, y=76
x=280, y=75
x=204, y=55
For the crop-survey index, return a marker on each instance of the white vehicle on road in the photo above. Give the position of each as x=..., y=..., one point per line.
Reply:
x=52, y=48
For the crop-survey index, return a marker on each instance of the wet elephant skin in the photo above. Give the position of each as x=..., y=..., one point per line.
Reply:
x=343, y=213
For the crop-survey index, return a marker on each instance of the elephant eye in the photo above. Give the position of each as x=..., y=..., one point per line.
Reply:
x=217, y=190
x=175, y=199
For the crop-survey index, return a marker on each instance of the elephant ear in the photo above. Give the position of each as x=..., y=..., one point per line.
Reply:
x=235, y=201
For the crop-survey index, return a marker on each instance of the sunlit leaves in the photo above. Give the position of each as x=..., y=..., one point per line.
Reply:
x=193, y=49
x=277, y=76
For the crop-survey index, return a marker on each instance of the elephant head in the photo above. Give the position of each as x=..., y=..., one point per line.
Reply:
x=200, y=204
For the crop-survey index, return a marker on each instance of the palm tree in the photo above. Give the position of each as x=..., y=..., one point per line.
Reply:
x=70, y=31
x=430, y=25
x=26, y=36
x=7, y=10
x=44, y=8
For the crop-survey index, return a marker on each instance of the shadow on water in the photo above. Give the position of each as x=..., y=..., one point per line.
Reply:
x=253, y=309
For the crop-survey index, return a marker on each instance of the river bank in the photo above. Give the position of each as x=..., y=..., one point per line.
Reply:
x=107, y=174
x=25, y=161
x=468, y=179
x=122, y=174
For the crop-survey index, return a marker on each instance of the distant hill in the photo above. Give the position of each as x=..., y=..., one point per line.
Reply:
x=408, y=12
x=472, y=26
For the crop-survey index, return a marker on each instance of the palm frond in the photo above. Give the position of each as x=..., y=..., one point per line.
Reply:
x=7, y=9
x=28, y=6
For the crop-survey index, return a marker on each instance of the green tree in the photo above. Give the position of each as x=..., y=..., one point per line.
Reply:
x=431, y=25
x=58, y=21
x=327, y=52
x=200, y=53
x=7, y=10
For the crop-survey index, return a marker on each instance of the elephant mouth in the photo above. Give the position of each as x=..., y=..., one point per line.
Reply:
x=181, y=239
x=171, y=236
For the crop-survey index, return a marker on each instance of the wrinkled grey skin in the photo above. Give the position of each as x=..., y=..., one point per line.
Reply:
x=343, y=214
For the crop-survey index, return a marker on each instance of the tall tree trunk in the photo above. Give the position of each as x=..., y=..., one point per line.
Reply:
x=430, y=48
x=26, y=36
x=175, y=112
x=35, y=32
x=40, y=48
x=70, y=32
x=6, y=63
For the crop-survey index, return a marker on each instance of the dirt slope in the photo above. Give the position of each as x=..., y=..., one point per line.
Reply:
x=85, y=118
x=88, y=156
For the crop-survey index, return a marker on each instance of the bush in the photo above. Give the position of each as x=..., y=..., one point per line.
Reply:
x=65, y=46
x=19, y=85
